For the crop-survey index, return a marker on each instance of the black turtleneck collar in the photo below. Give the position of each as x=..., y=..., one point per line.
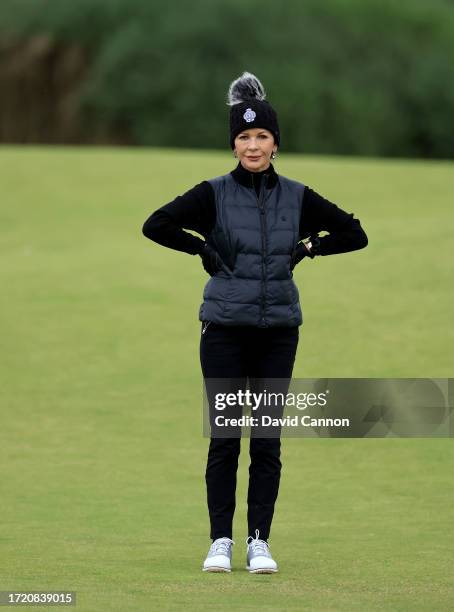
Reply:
x=246, y=178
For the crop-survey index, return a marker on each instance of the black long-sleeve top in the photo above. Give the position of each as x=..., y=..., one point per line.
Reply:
x=196, y=210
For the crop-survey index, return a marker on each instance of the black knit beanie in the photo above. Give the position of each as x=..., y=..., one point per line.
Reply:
x=249, y=109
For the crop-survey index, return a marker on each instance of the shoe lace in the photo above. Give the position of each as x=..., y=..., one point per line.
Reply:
x=258, y=546
x=222, y=546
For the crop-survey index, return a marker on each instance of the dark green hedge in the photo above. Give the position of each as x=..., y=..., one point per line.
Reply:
x=346, y=76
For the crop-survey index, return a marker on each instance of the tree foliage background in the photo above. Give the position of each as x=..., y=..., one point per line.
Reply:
x=346, y=76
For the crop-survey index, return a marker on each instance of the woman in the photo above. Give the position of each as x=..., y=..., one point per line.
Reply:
x=253, y=221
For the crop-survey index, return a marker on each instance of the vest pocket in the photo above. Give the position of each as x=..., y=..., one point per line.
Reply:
x=217, y=288
x=295, y=292
x=291, y=291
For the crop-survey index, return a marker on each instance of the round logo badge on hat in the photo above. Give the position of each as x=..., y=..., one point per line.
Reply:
x=249, y=115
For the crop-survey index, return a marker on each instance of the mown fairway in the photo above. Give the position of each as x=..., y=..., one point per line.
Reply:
x=101, y=449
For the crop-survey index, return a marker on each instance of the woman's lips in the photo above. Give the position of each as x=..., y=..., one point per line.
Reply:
x=254, y=158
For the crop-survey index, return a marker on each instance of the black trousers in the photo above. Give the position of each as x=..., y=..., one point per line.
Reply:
x=240, y=353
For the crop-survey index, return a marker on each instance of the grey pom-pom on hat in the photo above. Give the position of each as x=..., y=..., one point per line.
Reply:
x=245, y=87
x=249, y=108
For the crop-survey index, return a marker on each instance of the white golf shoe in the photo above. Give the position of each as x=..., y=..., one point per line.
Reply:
x=219, y=556
x=259, y=559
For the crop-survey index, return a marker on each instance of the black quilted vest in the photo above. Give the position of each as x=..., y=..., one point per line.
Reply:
x=255, y=237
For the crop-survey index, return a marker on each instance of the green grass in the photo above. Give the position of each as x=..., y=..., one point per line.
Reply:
x=101, y=449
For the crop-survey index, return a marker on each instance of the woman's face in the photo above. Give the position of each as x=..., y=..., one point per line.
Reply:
x=254, y=147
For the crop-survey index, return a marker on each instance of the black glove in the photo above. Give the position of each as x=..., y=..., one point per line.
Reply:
x=211, y=260
x=301, y=251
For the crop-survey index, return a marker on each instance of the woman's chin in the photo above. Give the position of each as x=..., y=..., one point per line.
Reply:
x=254, y=165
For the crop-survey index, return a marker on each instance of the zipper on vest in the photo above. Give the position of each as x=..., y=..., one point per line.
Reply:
x=264, y=244
x=205, y=326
